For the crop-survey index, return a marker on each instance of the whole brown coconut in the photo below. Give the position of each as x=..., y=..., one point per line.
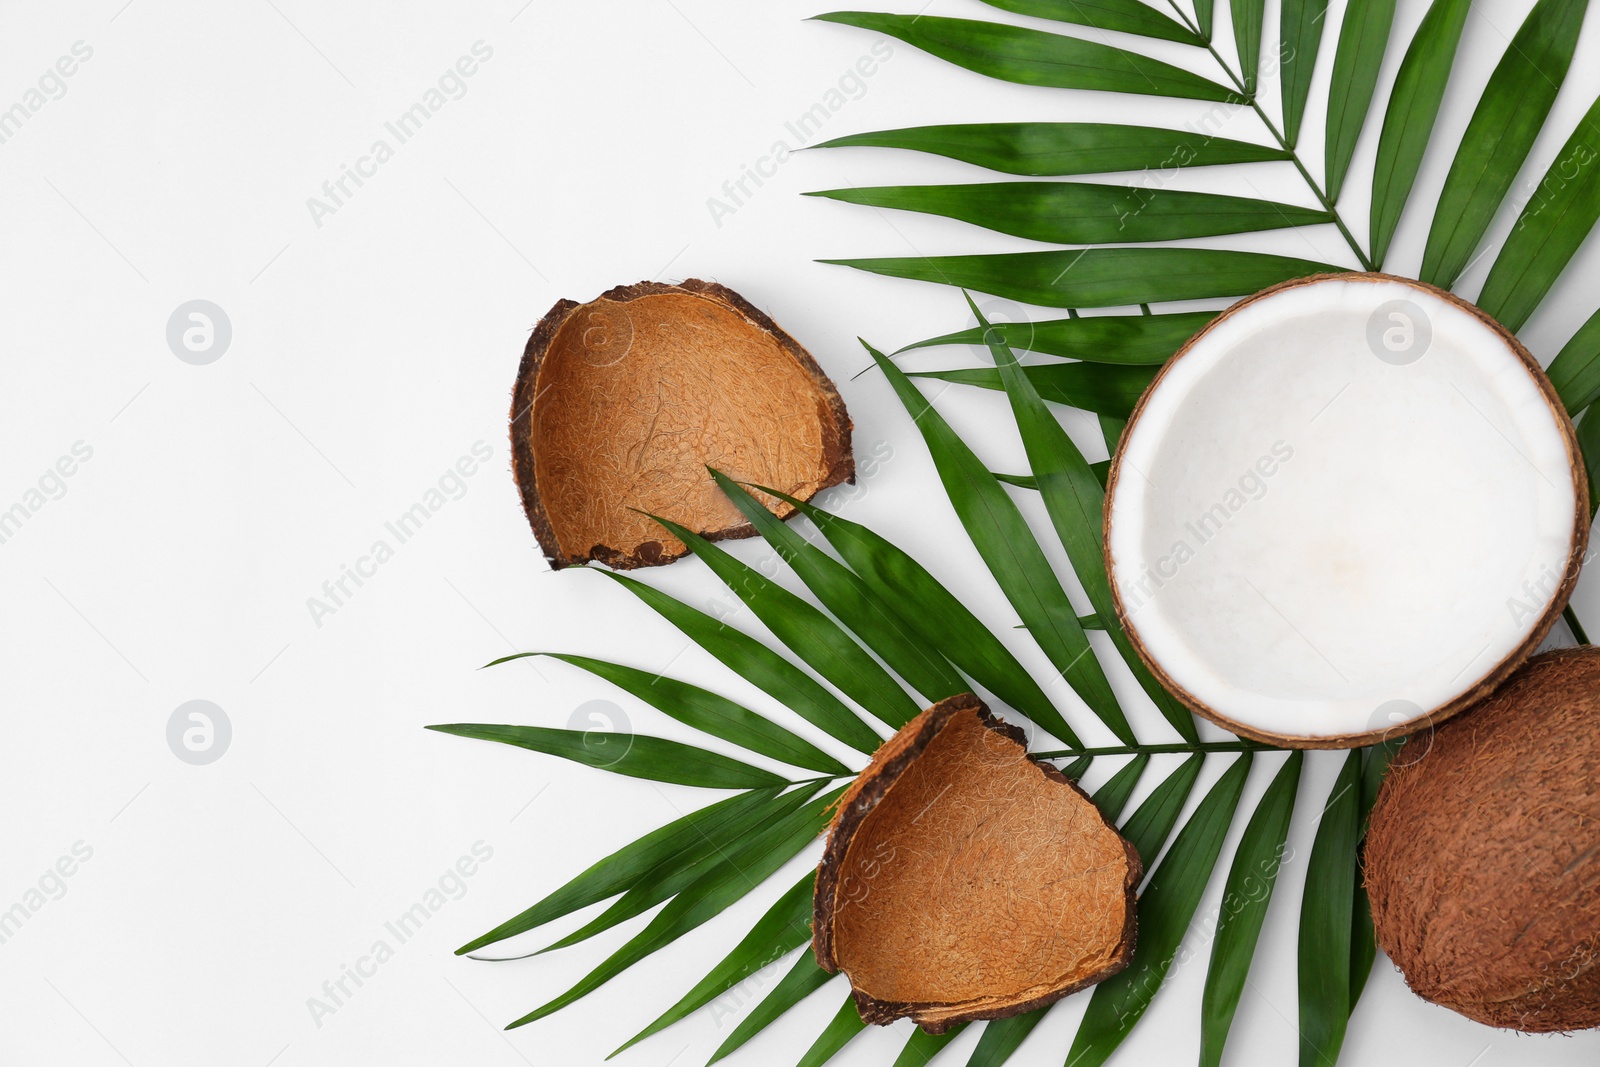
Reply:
x=622, y=403
x=962, y=880
x=1483, y=860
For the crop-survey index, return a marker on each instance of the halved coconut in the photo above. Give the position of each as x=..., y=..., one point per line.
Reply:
x=1349, y=506
x=962, y=880
x=622, y=403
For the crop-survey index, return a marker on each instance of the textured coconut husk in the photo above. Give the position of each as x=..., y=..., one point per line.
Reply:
x=1483, y=859
x=622, y=403
x=1491, y=680
x=963, y=880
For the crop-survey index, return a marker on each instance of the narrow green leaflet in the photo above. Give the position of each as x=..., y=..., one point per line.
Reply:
x=1002, y=1037
x=1363, y=938
x=1589, y=445
x=706, y=711
x=1363, y=38
x=746, y=864
x=801, y=980
x=1152, y=821
x=1053, y=149
x=760, y=665
x=626, y=866
x=785, y=927
x=1408, y=122
x=814, y=637
x=934, y=612
x=1086, y=212
x=851, y=601
x=1007, y=545
x=1325, y=920
x=1099, y=387
x=1101, y=471
x=1509, y=116
x=841, y=1029
x=1124, y=16
x=680, y=872
x=1575, y=372
x=1078, y=767
x=1031, y=57
x=1247, y=17
x=1244, y=908
x=1075, y=502
x=635, y=755
x=1122, y=339
x=921, y=1047
x=1100, y=277
x=1165, y=910
x=1549, y=230
x=1203, y=16
x=1112, y=797
x=1111, y=429
x=1301, y=35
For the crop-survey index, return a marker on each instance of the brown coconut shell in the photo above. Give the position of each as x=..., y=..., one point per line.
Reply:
x=1491, y=680
x=963, y=880
x=621, y=404
x=1483, y=859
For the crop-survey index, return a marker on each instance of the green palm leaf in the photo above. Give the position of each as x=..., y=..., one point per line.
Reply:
x=1100, y=277
x=1247, y=18
x=1575, y=372
x=921, y=1047
x=1244, y=908
x=625, y=867
x=1084, y=212
x=1165, y=909
x=1124, y=16
x=1113, y=339
x=757, y=663
x=933, y=611
x=841, y=1029
x=1151, y=823
x=705, y=711
x=1549, y=230
x=1301, y=34
x=1510, y=114
x=1408, y=122
x=1054, y=149
x=1327, y=919
x=1002, y=537
x=851, y=601
x=745, y=865
x=1002, y=1037
x=1589, y=445
x=801, y=980
x=1363, y=39
x=1363, y=937
x=785, y=927
x=1031, y=57
x=1075, y=502
x=635, y=755
x=814, y=637
x=1102, y=387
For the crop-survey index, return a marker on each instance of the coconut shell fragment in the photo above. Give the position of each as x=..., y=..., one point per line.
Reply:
x=962, y=880
x=1483, y=859
x=622, y=403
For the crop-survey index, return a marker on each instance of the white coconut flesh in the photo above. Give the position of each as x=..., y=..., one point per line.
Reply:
x=1341, y=508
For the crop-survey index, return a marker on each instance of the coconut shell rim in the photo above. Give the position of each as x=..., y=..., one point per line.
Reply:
x=1496, y=675
x=840, y=462
x=874, y=783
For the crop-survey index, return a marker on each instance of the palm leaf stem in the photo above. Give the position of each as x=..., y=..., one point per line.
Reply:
x=1294, y=156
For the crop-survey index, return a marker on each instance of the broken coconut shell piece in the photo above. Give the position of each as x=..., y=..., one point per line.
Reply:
x=1347, y=508
x=963, y=880
x=622, y=403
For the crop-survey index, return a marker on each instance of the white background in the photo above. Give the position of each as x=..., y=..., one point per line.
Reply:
x=369, y=353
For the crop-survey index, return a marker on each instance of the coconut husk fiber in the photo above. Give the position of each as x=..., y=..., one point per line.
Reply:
x=963, y=880
x=621, y=404
x=1483, y=860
